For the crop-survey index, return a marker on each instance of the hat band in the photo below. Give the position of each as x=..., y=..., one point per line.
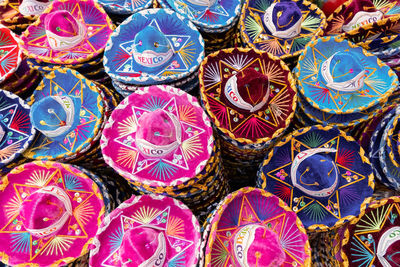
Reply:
x=32, y=7
x=243, y=239
x=152, y=59
x=295, y=165
x=64, y=198
x=362, y=18
x=57, y=42
x=269, y=23
x=159, y=256
x=207, y=3
x=387, y=239
x=232, y=94
x=352, y=85
x=157, y=151
x=68, y=106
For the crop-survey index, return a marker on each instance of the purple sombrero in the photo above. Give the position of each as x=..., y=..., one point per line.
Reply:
x=252, y=227
x=148, y=231
x=68, y=32
x=10, y=53
x=51, y=212
x=158, y=136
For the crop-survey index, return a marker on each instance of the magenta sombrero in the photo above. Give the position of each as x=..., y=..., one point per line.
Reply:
x=250, y=95
x=148, y=231
x=10, y=53
x=51, y=212
x=373, y=239
x=158, y=136
x=252, y=227
x=68, y=32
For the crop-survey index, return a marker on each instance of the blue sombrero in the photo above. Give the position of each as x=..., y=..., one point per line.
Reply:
x=16, y=130
x=208, y=15
x=337, y=77
x=282, y=28
x=68, y=111
x=153, y=46
x=125, y=7
x=321, y=173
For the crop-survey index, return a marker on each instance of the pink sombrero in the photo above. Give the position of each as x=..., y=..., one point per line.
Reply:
x=158, y=136
x=148, y=231
x=51, y=212
x=68, y=32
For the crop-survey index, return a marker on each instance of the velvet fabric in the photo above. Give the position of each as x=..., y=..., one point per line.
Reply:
x=10, y=53
x=61, y=23
x=285, y=14
x=148, y=230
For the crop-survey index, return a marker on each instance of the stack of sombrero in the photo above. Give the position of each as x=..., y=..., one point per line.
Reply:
x=16, y=130
x=374, y=25
x=15, y=75
x=70, y=34
x=216, y=20
x=51, y=213
x=341, y=84
x=17, y=15
x=148, y=230
x=69, y=111
x=384, y=149
x=252, y=227
x=373, y=238
x=324, y=176
x=250, y=97
x=282, y=28
x=154, y=46
x=160, y=140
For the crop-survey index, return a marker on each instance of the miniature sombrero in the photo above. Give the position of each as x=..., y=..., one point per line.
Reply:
x=250, y=95
x=16, y=130
x=68, y=111
x=337, y=77
x=282, y=28
x=321, y=173
x=68, y=32
x=153, y=46
x=357, y=16
x=159, y=136
x=252, y=227
x=148, y=230
x=51, y=213
x=10, y=53
x=373, y=239
x=208, y=15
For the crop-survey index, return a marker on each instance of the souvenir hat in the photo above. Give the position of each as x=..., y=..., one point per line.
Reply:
x=68, y=111
x=51, y=214
x=282, y=28
x=355, y=16
x=250, y=95
x=68, y=32
x=158, y=136
x=126, y=7
x=16, y=130
x=148, y=230
x=321, y=173
x=10, y=53
x=153, y=46
x=208, y=15
x=372, y=239
x=252, y=227
x=337, y=77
